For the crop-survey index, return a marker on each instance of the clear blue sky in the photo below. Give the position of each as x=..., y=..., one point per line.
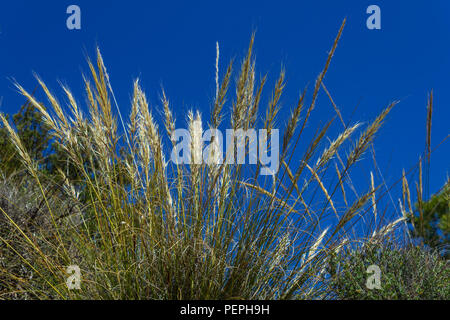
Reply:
x=173, y=43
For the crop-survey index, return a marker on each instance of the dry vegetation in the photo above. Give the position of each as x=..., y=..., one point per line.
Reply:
x=149, y=229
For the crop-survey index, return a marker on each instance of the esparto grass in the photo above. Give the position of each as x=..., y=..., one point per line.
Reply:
x=150, y=229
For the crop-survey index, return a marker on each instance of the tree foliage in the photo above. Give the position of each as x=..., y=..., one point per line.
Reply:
x=431, y=224
x=36, y=139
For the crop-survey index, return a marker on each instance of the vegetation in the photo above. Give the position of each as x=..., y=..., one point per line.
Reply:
x=142, y=227
x=406, y=273
x=35, y=137
x=431, y=223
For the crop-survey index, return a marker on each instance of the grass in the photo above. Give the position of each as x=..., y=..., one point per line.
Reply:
x=141, y=227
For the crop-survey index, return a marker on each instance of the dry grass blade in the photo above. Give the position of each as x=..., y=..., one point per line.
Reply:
x=341, y=184
x=336, y=109
x=429, y=119
x=316, y=176
x=407, y=195
x=374, y=202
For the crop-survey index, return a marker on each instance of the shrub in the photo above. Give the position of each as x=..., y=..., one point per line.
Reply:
x=407, y=273
x=26, y=213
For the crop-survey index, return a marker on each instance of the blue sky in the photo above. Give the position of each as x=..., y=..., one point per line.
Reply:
x=172, y=43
